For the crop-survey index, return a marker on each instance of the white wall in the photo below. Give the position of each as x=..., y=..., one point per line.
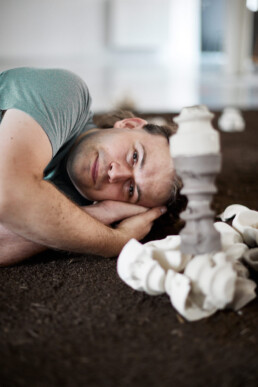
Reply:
x=51, y=27
x=238, y=36
x=74, y=34
x=60, y=28
x=184, y=39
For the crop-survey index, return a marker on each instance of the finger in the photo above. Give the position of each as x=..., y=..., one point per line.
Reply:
x=154, y=213
x=132, y=210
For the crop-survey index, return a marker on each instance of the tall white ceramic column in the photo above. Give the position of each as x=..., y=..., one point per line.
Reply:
x=195, y=149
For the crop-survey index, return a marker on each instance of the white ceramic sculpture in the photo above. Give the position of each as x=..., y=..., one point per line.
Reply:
x=179, y=289
x=213, y=279
x=198, y=280
x=195, y=135
x=209, y=282
x=244, y=293
x=195, y=150
x=197, y=285
x=246, y=222
x=251, y=257
x=231, y=211
x=167, y=252
x=228, y=235
x=139, y=270
x=231, y=241
x=231, y=120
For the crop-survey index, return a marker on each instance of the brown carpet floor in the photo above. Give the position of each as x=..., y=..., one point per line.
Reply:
x=68, y=320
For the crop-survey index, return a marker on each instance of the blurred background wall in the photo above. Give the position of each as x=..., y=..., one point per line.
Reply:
x=151, y=55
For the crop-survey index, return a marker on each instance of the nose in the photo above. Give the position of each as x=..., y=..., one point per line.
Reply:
x=119, y=172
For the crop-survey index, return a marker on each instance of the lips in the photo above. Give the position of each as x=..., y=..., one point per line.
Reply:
x=94, y=170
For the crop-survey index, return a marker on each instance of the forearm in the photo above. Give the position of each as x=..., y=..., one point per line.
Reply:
x=14, y=248
x=45, y=216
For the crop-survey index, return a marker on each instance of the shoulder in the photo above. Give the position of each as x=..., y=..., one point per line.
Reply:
x=48, y=75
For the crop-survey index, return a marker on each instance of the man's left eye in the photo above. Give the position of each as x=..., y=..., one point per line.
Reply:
x=131, y=190
x=135, y=157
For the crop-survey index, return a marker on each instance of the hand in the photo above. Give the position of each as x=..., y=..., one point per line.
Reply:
x=110, y=211
x=138, y=226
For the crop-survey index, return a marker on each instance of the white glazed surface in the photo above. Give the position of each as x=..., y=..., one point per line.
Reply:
x=167, y=252
x=231, y=120
x=139, y=270
x=251, y=257
x=213, y=277
x=197, y=285
x=246, y=222
x=228, y=235
x=179, y=289
x=232, y=211
x=195, y=135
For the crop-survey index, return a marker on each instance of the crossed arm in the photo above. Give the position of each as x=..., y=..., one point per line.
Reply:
x=34, y=215
x=14, y=248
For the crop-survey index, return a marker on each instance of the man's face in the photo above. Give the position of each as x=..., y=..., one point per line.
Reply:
x=122, y=164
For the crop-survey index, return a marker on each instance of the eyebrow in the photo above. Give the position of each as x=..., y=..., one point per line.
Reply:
x=139, y=192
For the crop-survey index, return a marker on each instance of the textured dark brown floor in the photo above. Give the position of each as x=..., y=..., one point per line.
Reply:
x=68, y=320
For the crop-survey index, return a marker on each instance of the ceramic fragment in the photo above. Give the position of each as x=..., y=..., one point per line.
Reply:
x=235, y=251
x=214, y=277
x=241, y=270
x=228, y=235
x=178, y=288
x=170, y=242
x=167, y=252
x=232, y=211
x=231, y=241
x=231, y=120
x=244, y=293
x=246, y=222
x=251, y=257
x=139, y=270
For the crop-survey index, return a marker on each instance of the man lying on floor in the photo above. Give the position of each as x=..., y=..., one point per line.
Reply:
x=54, y=163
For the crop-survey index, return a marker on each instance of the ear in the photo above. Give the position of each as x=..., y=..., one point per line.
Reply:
x=130, y=123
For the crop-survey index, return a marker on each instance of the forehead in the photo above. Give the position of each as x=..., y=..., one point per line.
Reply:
x=155, y=187
x=156, y=177
x=151, y=142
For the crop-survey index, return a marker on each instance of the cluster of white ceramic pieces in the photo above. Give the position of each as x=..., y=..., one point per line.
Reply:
x=144, y=267
x=209, y=282
x=231, y=120
x=245, y=223
x=197, y=285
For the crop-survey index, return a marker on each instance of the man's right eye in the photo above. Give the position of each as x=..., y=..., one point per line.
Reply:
x=135, y=157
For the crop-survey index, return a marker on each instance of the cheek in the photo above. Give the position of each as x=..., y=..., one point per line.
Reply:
x=109, y=192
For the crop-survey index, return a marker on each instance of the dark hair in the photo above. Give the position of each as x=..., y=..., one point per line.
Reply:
x=107, y=120
x=162, y=130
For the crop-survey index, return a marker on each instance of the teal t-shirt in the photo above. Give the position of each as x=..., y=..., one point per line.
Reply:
x=60, y=102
